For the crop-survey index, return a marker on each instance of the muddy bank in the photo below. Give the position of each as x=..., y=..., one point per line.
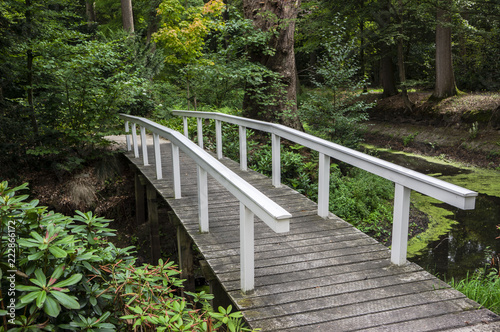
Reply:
x=483, y=150
x=463, y=128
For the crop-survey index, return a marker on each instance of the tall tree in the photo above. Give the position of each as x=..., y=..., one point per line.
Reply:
x=278, y=19
x=382, y=16
x=90, y=12
x=445, y=77
x=401, y=62
x=127, y=16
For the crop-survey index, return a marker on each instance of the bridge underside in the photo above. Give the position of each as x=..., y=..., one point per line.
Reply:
x=324, y=275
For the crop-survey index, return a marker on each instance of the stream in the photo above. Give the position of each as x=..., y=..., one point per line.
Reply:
x=456, y=242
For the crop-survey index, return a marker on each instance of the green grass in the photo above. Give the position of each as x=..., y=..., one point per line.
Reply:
x=482, y=288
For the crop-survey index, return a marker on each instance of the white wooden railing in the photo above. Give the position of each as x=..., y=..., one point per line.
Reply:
x=252, y=201
x=405, y=179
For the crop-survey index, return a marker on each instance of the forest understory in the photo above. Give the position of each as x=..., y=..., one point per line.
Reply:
x=465, y=128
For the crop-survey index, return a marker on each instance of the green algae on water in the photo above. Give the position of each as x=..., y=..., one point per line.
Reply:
x=439, y=223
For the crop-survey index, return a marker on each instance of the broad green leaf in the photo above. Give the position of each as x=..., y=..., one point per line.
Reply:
x=41, y=298
x=57, y=252
x=105, y=316
x=57, y=273
x=37, y=236
x=28, y=243
x=40, y=276
x=231, y=326
x=66, y=300
x=66, y=240
x=70, y=281
x=127, y=317
x=51, y=307
x=28, y=298
x=36, y=256
x=38, y=283
x=23, y=288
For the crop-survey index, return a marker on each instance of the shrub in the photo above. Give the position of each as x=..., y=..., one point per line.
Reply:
x=68, y=276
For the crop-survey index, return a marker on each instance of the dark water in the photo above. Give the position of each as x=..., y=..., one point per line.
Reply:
x=470, y=243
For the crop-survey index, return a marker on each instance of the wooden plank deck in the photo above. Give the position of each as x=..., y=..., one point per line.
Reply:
x=324, y=275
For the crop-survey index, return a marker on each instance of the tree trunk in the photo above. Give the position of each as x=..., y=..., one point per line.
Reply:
x=29, y=65
x=90, y=12
x=278, y=16
x=387, y=74
x=127, y=16
x=153, y=22
x=401, y=63
x=445, y=78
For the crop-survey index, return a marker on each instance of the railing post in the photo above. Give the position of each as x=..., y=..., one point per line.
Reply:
x=218, y=138
x=323, y=185
x=156, y=143
x=400, y=224
x=185, y=123
x=200, y=132
x=144, y=146
x=127, y=136
x=134, y=140
x=243, y=148
x=276, y=160
x=246, y=249
x=202, y=200
x=176, y=171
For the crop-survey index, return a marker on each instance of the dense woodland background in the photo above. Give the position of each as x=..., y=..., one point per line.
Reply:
x=69, y=67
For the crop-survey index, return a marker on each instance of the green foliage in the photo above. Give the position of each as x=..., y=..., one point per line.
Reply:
x=336, y=114
x=183, y=30
x=78, y=83
x=70, y=277
x=408, y=139
x=474, y=130
x=219, y=77
x=482, y=287
x=363, y=199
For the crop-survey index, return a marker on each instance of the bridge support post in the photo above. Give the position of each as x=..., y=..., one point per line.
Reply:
x=203, y=200
x=276, y=160
x=127, y=136
x=134, y=140
x=323, y=185
x=199, y=123
x=185, y=125
x=246, y=250
x=176, y=170
x=156, y=141
x=185, y=253
x=144, y=147
x=218, y=138
x=140, y=199
x=400, y=224
x=243, y=148
x=153, y=224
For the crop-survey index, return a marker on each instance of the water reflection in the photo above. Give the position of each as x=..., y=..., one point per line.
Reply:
x=469, y=243
x=466, y=247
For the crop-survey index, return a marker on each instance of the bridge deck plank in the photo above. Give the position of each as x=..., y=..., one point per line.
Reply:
x=324, y=275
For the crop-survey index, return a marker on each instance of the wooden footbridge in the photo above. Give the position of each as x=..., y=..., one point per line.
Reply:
x=286, y=262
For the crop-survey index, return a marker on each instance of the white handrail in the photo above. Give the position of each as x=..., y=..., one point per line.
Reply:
x=405, y=179
x=252, y=201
